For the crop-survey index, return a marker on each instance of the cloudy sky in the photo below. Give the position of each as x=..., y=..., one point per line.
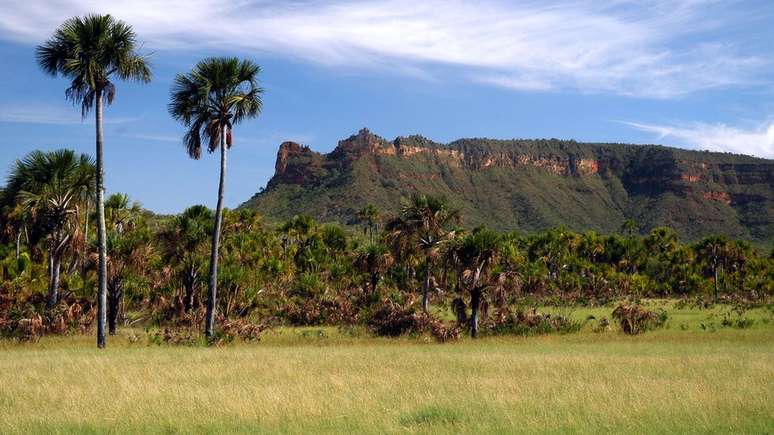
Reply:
x=691, y=73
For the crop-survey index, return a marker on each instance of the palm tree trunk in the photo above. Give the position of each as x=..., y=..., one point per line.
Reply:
x=374, y=281
x=475, y=302
x=101, y=231
x=426, y=289
x=18, y=243
x=54, y=263
x=85, y=252
x=86, y=225
x=213, y=285
x=114, y=301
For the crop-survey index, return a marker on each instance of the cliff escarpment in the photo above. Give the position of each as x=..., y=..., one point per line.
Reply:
x=528, y=185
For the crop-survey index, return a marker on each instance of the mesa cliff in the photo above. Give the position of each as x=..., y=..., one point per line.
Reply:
x=528, y=185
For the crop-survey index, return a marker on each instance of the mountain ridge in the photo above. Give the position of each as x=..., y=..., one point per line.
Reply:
x=530, y=184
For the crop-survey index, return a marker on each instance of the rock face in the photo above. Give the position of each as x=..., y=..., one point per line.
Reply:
x=530, y=184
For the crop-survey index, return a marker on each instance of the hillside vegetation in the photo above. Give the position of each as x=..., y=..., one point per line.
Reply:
x=530, y=185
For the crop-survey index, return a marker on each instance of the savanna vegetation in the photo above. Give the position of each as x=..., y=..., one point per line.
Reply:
x=343, y=312
x=415, y=271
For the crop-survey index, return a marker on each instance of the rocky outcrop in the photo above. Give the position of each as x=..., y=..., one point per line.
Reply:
x=295, y=164
x=288, y=150
x=366, y=144
x=584, y=186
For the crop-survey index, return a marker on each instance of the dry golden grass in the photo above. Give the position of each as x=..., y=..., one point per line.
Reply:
x=662, y=382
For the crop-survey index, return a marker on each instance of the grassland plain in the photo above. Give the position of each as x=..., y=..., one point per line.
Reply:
x=682, y=379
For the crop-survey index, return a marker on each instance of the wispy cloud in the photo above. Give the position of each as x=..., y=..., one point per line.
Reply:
x=657, y=48
x=50, y=114
x=756, y=141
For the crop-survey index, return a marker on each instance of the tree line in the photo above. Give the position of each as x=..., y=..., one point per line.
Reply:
x=418, y=260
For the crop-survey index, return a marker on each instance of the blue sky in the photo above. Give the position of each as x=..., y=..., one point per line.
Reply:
x=691, y=73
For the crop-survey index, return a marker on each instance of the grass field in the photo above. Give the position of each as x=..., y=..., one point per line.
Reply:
x=681, y=379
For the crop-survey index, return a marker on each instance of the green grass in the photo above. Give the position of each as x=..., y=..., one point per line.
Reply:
x=322, y=380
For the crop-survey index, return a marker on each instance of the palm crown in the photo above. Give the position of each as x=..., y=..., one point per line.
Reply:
x=89, y=51
x=211, y=99
x=50, y=185
x=427, y=217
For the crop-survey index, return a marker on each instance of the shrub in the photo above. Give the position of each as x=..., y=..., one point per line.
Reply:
x=175, y=336
x=313, y=312
x=738, y=321
x=391, y=319
x=635, y=319
x=531, y=323
x=603, y=325
x=231, y=330
x=29, y=320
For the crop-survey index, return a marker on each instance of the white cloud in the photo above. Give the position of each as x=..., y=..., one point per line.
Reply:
x=623, y=47
x=756, y=141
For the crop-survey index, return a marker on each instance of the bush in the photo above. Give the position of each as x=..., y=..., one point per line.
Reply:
x=531, y=323
x=390, y=319
x=635, y=319
x=314, y=312
x=175, y=336
x=28, y=320
x=736, y=319
x=231, y=330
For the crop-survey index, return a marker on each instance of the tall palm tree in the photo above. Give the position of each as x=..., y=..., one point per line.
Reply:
x=92, y=51
x=427, y=221
x=218, y=94
x=47, y=186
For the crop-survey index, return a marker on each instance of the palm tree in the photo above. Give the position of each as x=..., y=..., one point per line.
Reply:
x=629, y=227
x=218, y=94
x=368, y=216
x=714, y=252
x=47, y=186
x=477, y=253
x=127, y=251
x=373, y=259
x=426, y=220
x=120, y=212
x=92, y=51
x=15, y=218
x=184, y=242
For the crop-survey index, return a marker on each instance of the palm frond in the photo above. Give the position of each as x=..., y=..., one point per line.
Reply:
x=88, y=51
x=216, y=95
